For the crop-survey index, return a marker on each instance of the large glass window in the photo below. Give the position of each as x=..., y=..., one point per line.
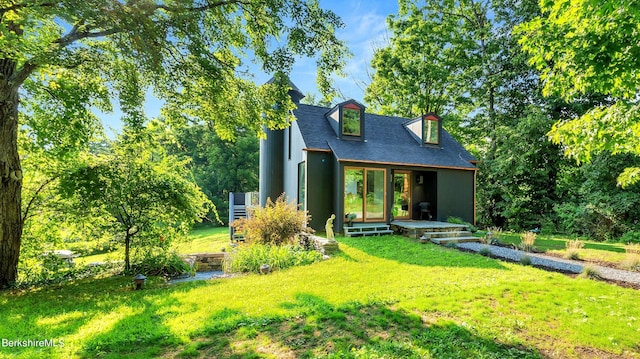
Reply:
x=431, y=129
x=401, y=195
x=353, y=192
x=350, y=121
x=365, y=194
x=302, y=185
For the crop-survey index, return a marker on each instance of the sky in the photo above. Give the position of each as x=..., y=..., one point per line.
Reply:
x=365, y=29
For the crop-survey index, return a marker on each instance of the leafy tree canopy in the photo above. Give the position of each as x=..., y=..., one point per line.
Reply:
x=60, y=60
x=583, y=47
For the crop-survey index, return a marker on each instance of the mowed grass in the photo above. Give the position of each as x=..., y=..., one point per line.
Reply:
x=388, y=297
x=593, y=251
x=200, y=240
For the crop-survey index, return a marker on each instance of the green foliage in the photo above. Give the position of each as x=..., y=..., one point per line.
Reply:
x=485, y=251
x=632, y=260
x=527, y=243
x=630, y=237
x=147, y=194
x=581, y=48
x=525, y=260
x=598, y=207
x=60, y=63
x=248, y=259
x=160, y=262
x=573, y=249
x=276, y=223
x=219, y=166
x=589, y=272
x=458, y=220
x=46, y=270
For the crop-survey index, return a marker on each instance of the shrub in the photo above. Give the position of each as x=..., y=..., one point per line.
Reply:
x=630, y=237
x=248, y=259
x=632, y=261
x=590, y=272
x=277, y=223
x=493, y=235
x=573, y=249
x=458, y=220
x=485, y=251
x=528, y=241
x=525, y=260
x=159, y=263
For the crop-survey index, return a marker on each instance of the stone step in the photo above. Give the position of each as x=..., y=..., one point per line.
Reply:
x=445, y=240
x=447, y=234
x=448, y=228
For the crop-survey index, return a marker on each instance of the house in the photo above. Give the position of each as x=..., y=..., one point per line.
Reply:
x=343, y=160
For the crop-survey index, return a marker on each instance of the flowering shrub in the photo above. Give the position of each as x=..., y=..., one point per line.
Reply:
x=277, y=223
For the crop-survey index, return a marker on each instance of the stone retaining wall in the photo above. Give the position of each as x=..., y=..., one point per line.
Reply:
x=206, y=262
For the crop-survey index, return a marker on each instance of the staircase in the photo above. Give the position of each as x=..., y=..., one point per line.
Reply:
x=443, y=236
x=367, y=229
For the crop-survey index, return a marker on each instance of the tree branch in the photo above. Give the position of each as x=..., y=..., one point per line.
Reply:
x=33, y=198
x=208, y=6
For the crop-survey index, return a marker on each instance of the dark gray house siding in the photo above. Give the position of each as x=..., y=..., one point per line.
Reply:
x=455, y=195
x=320, y=188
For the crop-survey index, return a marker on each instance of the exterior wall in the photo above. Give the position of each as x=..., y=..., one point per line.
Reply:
x=320, y=189
x=456, y=195
x=271, y=165
x=291, y=161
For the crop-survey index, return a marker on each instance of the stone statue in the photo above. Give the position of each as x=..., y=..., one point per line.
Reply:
x=329, y=227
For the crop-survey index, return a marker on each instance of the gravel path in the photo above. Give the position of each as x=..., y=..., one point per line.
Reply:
x=563, y=265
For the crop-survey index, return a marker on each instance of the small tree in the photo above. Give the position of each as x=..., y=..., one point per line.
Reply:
x=277, y=223
x=145, y=193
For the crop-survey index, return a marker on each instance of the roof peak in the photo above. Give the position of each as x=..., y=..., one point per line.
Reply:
x=294, y=91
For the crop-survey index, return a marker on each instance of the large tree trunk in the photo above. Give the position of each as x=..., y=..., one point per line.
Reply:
x=10, y=177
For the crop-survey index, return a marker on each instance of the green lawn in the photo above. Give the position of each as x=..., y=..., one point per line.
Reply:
x=205, y=239
x=555, y=244
x=385, y=297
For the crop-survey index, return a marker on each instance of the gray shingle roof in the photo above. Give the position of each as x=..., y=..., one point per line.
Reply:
x=387, y=141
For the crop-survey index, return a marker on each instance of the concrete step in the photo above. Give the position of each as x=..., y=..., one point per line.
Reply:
x=447, y=234
x=445, y=240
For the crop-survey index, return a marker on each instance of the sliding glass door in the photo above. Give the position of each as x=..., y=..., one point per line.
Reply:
x=365, y=193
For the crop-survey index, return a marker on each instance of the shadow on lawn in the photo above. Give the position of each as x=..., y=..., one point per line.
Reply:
x=138, y=333
x=405, y=250
x=352, y=330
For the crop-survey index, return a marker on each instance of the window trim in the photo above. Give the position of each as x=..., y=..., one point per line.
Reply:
x=364, y=195
x=433, y=119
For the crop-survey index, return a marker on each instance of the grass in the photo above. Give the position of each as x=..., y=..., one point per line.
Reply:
x=381, y=297
x=204, y=239
x=557, y=245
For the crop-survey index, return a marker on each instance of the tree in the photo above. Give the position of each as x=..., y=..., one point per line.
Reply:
x=591, y=47
x=146, y=193
x=220, y=166
x=61, y=59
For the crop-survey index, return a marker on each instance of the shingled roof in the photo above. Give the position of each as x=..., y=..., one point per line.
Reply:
x=387, y=142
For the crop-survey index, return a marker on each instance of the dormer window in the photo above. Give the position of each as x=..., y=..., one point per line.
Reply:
x=351, y=120
x=425, y=129
x=347, y=119
x=431, y=129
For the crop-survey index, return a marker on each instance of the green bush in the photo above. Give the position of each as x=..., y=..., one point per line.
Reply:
x=46, y=270
x=458, y=220
x=248, y=259
x=277, y=223
x=159, y=263
x=630, y=237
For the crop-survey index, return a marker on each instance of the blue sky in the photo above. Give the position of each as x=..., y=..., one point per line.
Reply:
x=365, y=29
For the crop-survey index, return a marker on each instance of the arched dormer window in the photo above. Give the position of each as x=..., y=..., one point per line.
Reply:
x=431, y=129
